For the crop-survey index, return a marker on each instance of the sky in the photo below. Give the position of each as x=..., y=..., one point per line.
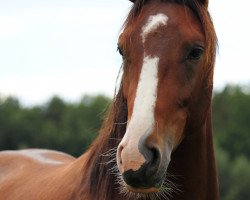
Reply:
x=68, y=48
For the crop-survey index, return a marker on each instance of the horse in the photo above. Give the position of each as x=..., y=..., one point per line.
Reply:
x=156, y=141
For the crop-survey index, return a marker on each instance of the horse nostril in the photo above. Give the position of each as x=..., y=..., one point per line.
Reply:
x=153, y=162
x=156, y=156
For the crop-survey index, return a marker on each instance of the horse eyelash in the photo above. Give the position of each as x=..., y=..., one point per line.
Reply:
x=120, y=50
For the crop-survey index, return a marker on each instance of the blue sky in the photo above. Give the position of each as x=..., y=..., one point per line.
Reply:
x=68, y=48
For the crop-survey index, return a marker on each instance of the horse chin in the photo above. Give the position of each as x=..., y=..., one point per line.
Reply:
x=157, y=187
x=142, y=190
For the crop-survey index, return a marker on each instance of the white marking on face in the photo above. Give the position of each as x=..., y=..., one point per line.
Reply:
x=142, y=119
x=37, y=155
x=152, y=24
x=146, y=93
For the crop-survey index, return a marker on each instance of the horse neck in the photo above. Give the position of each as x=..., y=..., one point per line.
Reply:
x=193, y=163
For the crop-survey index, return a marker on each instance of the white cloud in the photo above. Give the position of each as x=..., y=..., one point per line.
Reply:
x=10, y=26
x=233, y=63
x=24, y=20
x=51, y=49
x=69, y=15
x=71, y=86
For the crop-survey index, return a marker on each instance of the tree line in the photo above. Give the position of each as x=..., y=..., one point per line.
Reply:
x=68, y=127
x=231, y=124
x=71, y=127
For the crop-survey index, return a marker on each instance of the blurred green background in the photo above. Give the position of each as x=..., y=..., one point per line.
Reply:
x=70, y=127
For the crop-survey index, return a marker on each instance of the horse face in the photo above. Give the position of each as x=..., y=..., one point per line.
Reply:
x=163, y=59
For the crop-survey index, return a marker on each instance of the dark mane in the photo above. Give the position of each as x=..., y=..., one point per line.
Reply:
x=99, y=177
x=99, y=180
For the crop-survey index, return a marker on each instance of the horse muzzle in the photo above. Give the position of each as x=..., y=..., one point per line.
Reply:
x=142, y=171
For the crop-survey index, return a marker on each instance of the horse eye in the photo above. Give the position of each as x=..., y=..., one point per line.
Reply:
x=195, y=53
x=119, y=49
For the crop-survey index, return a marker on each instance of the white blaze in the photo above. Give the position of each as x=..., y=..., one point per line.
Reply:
x=153, y=23
x=142, y=120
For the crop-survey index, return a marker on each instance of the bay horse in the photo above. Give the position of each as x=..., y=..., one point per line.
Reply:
x=156, y=141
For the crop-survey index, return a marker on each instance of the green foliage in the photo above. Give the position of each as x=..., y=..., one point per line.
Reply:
x=56, y=125
x=223, y=164
x=231, y=120
x=234, y=176
x=231, y=113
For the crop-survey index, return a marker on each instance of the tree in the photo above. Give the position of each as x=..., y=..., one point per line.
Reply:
x=55, y=125
x=231, y=113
